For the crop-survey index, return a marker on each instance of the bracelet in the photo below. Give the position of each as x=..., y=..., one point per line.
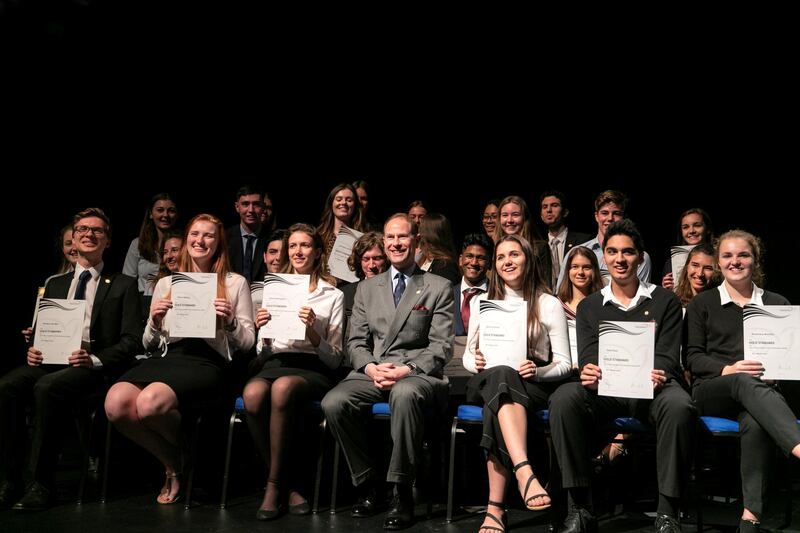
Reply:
x=232, y=326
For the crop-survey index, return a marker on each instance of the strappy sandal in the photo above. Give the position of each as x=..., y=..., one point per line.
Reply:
x=163, y=497
x=528, y=485
x=503, y=523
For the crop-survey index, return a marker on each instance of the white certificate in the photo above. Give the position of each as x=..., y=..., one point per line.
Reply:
x=772, y=336
x=342, y=248
x=626, y=355
x=573, y=340
x=193, y=313
x=678, y=255
x=39, y=296
x=59, y=329
x=284, y=295
x=503, y=338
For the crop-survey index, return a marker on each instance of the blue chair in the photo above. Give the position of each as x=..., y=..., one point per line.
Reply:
x=380, y=411
x=236, y=417
x=718, y=427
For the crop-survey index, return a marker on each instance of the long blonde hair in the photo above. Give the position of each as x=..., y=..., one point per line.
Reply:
x=221, y=265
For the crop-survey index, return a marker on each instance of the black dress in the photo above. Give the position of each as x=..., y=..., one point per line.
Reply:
x=306, y=365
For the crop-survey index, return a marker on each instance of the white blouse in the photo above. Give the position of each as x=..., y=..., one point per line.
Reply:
x=328, y=304
x=226, y=342
x=554, y=322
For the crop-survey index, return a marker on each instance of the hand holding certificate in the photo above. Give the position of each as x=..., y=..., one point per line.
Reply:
x=503, y=338
x=193, y=312
x=283, y=296
x=772, y=336
x=59, y=329
x=342, y=248
x=626, y=355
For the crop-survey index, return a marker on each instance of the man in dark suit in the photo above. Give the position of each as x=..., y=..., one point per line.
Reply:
x=246, y=240
x=474, y=262
x=112, y=335
x=554, y=213
x=400, y=338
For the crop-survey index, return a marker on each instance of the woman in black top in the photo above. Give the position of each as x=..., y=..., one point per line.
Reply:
x=727, y=385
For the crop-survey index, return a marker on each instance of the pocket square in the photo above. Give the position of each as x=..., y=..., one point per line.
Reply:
x=420, y=308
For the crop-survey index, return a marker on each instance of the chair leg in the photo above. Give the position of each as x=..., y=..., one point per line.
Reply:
x=192, y=462
x=226, y=472
x=335, y=481
x=450, y=472
x=323, y=427
x=107, y=460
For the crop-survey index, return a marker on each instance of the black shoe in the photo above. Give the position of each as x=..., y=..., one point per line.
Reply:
x=401, y=512
x=748, y=526
x=266, y=515
x=578, y=521
x=9, y=494
x=667, y=524
x=37, y=498
x=367, y=503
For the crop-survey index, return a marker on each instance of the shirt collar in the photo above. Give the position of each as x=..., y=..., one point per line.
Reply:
x=643, y=291
x=561, y=236
x=95, y=270
x=725, y=296
x=406, y=273
x=483, y=286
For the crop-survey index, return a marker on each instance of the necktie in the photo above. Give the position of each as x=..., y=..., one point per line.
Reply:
x=468, y=294
x=556, y=260
x=80, y=289
x=399, y=288
x=248, y=257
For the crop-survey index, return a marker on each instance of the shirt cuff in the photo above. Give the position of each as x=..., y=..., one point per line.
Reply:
x=96, y=362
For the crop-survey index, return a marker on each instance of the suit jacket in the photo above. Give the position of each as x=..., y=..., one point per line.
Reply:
x=236, y=253
x=420, y=330
x=574, y=238
x=116, y=325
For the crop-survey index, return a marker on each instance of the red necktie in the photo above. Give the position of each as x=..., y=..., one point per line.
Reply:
x=468, y=294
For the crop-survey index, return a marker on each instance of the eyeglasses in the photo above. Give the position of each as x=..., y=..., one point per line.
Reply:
x=86, y=229
x=490, y=217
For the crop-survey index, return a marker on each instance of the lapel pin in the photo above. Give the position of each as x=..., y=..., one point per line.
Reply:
x=108, y=280
x=646, y=313
x=419, y=291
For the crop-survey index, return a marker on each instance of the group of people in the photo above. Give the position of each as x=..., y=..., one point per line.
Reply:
x=392, y=332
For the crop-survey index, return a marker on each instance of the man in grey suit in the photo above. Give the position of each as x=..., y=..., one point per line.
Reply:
x=400, y=338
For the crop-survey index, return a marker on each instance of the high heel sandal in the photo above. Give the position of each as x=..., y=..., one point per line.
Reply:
x=163, y=497
x=525, y=496
x=270, y=514
x=502, y=522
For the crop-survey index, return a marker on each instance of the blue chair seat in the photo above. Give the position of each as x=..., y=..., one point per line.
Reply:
x=715, y=424
x=469, y=413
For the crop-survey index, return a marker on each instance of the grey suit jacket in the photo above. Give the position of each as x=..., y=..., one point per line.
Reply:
x=420, y=330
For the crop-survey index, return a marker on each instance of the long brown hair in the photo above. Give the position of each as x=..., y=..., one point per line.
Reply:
x=533, y=284
x=683, y=289
x=328, y=220
x=149, y=243
x=565, y=291
x=528, y=232
x=320, y=270
x=436, y=238
x=221, y=265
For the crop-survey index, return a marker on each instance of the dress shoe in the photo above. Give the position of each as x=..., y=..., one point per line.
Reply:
x=300, y=509
x=401, y=513
x=667, y=524
x=269, y=514
x=9, y=494
x=37, y=498
x=367, y=503
x=578, y=521
x=748, y=526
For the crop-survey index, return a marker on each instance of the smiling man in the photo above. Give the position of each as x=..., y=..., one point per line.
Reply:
x=246, y=241
x=112, y=333
x=476, y=254
x=576, y=408
x=400, y=338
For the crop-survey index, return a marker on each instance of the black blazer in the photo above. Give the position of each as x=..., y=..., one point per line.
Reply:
x=236, y=253
x=461, y=328
x=575, y=238
x=116, y=326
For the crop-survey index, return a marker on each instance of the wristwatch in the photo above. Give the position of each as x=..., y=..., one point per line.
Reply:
x=413, y=368
x=232, y=325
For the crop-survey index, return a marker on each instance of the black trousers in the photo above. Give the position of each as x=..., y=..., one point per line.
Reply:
x=348, y=407
x=53, y=392
x=577, y=416
x=765, y=421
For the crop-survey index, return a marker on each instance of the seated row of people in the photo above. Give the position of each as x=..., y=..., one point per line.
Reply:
x=400, y=336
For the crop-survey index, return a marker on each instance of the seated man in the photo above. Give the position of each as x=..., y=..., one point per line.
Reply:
x=400, y=338
x=112, y=333
x=576, y=408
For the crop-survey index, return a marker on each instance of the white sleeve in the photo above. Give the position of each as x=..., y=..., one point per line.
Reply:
x=243, y=335
x=330, y=344
x=473, y=333
x=554, y=321
x=152, y=338
x=131, y=266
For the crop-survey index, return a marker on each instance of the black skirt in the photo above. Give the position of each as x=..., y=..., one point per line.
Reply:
x=503, y=383
x=306, y=365
x=191, y=368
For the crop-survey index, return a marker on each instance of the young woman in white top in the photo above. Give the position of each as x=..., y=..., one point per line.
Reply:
x=509, y=394
x=294, y=372
x=143, y=257
x=146, y=403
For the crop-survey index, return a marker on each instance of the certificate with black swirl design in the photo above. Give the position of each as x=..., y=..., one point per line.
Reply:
x=283, y=296
x=193, y=313
x=772, y=336
x=502, y=335
x=59, y=328
x=626, y=354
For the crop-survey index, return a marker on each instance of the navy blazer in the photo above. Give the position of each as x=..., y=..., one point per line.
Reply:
x=236, y=253
x=116, y=326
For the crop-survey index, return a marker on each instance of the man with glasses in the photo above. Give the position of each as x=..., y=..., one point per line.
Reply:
x=112, y=335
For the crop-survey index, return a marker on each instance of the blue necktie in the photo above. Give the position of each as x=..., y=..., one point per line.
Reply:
x=399, y=288
x=80, y=289
x=248, y=257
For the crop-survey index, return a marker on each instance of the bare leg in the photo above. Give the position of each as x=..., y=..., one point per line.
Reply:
x=513, y=419
x=257, y=407
x=498, y=478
